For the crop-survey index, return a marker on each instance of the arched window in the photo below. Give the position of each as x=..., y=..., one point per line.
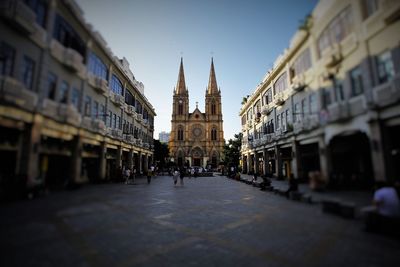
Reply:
x=213, y=134
x=129, y=98
x=180, y=134
x=116, y=85
x=213, y=109
x=97, y=66
x=180, y=109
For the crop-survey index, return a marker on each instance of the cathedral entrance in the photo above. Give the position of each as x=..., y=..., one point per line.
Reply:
x=197, y=156
x=197, y=162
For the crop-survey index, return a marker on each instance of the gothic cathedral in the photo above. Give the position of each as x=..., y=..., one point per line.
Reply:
x=197, y=138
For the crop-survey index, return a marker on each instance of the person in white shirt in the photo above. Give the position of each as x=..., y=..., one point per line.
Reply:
x=387, y=201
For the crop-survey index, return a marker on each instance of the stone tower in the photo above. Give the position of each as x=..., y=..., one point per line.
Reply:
x=197, y=138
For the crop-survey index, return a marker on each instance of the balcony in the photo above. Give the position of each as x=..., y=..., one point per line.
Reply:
x=279, y=99
x=139, y=142
x=388, y=93
x=338, y=111
x=129, y=138
x=116, y=133
x=130, y=110
x=99, y=125
x=299, y=83
x=15, y=93
x=99, y=84
x=139, y=117
x=331, y=56
x=311, y=122
x=267, y=109
x=19, y=15
x=70, y=58
x=66, y=113
x=278, y=132
x=95, y=125
x=357, y=105
x=69, y=114
x=298, y=126
x=117, y=99
x=39, y=36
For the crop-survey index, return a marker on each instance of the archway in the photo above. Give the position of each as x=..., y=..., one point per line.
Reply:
x=351, y=161
x=197, y=157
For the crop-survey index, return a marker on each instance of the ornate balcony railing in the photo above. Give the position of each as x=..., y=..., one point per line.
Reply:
x=19, y=14
x=15, y=93
x=70, y=58
x=98, y=83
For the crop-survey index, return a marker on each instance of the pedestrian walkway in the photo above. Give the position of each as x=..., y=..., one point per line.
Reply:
x=357, y=198
x=210, y=221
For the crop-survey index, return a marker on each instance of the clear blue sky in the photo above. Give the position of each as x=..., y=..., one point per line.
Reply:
x=244, y=37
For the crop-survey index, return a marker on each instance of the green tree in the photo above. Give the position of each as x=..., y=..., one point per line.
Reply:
x=161, y=153
x=232, y=151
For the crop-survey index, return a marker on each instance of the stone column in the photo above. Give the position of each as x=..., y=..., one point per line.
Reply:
x=139, y=168
x=130, y=159
x=295, y=160
x=76, y=161
x=145, y=163
x=248, y=162
x=118, y=159
x=266, y=158
x=377, y=152
x=324, y=159
x=255, y=163
x=102, y=161
x=278, y=163
x=28, y=154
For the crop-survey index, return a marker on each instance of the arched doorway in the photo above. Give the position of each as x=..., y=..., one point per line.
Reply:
x=197, y=157
x=351, y=161
x=214, y=160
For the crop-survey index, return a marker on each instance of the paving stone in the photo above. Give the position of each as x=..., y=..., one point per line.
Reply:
x=210, y=221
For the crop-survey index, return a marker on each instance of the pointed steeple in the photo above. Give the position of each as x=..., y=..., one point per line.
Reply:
x=212, y=82
x=181, y=85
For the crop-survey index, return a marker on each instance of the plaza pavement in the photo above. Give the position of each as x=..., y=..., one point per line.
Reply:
x=210, y=221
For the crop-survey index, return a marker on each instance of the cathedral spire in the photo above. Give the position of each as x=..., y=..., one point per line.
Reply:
x=181, y=85
x=212, y=82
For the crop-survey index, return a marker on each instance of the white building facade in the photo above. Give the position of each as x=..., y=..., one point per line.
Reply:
x=331, y=102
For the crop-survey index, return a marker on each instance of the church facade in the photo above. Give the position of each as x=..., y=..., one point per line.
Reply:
x=197, y=138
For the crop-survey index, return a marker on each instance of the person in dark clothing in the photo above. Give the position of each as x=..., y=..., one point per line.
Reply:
x=181, y=175
x=148, y=176
x=293, y=185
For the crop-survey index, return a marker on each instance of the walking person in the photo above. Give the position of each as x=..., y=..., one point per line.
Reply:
x=181, y=175
x=175, y=176
x=148, y=176
x=127, y=175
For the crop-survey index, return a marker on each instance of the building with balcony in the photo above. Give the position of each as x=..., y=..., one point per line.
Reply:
x=331, y=101
x=70, y=110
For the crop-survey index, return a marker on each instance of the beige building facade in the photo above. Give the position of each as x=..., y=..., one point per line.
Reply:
x=331, y=102
x=196, y=138
x=70, y=110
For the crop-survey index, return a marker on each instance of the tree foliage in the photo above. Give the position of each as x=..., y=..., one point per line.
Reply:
x=232, y=151
x=161, y=153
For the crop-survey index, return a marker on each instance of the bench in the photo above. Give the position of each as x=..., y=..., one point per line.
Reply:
x=337, y=207
x=295, y=195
